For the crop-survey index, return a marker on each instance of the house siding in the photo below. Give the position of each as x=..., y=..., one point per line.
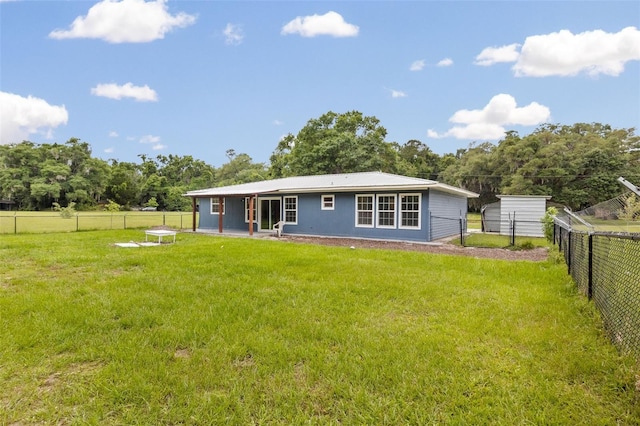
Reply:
x=445, y=212
x=233, y=215
x=441, y=206
x=341, y=222
x=313, y=220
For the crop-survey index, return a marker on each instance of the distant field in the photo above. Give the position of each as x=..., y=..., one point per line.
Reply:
x=603, y=225
x=474, y=221
x=218, y=330
x=43, y=222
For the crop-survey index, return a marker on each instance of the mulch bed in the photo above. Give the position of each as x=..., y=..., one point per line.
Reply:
x=534, y=255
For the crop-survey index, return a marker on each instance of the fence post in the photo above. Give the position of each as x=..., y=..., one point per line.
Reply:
x=15, y=223
x=513, y=229
x=77, y=222
x=461, y=232
x=560, y=240
x=164, y=218
x=590, y=274
x=125, y=220
x=569, y=253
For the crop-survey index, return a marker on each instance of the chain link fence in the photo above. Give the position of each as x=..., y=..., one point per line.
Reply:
x=606, y=268
x=22, y=223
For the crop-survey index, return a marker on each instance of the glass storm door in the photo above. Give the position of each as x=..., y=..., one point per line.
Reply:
x=269, y=213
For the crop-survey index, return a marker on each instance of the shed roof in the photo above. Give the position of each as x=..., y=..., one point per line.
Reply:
x=345, y=182
x=546, y=197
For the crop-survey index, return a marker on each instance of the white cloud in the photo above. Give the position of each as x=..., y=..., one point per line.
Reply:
x=108, y=150
x=21, y=117
x=126, y=21
x=233, y=34
x=150, y=139
x=277, y=123
x=397, y=94
x=432, y=134
x=113, y=134
x=128, y=90
x=566, y=54
x=331, y=23
x=159, y=147
x=494, y=55
x=488, y=123
x=417, y=65
x=446, y=62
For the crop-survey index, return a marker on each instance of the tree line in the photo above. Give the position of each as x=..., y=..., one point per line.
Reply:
x=578, y=165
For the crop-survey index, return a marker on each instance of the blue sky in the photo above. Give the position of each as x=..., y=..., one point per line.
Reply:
x=200, y=77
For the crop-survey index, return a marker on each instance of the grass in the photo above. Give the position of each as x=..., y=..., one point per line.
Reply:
x=40, y=222
x=501, y=241
x=611, y=225
x=214, y=330
x=474, y=221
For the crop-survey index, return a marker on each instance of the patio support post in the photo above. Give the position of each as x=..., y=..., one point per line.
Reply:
x=251, y=215
x=220, y=210
x=193, y=219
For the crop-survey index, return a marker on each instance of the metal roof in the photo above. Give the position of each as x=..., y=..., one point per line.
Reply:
x=346, y=182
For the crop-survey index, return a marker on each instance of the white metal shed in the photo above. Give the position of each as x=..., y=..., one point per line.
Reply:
x=526, y=211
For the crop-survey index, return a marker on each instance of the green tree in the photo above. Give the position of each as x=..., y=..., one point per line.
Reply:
x=240, y=169
x=335, y=143
x=423, y=162
x=473, y=169
x=124, y=183
x=631, y=210
x=577, y=165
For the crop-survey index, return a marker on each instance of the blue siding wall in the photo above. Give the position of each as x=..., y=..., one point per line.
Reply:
x=446, y=210
x=441, y=208
x=233, y=215
x=341, y=222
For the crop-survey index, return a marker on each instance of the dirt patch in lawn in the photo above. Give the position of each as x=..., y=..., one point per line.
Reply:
x=445, y=247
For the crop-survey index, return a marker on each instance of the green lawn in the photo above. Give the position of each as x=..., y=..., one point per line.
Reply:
x=214, y=330
x=474, y=221
x=501, y=241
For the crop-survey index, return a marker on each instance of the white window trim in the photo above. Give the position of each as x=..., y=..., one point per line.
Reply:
x=246, y=209
x=400, y=211
x=333, y=202
x=217, y=201
x=285, y=210
x=373, y=211
x=395, y=211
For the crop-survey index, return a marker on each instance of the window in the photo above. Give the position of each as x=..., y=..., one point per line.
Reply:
x=386, y=211
x=328, y=202
x=215, y=205
x=246, y=209
x=364, y=211
x=291, y=210
x=410, y=211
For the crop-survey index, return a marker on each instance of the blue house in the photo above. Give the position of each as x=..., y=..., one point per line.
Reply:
x=356, y=205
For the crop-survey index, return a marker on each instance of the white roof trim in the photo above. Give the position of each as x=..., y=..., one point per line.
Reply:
x=346, y=182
